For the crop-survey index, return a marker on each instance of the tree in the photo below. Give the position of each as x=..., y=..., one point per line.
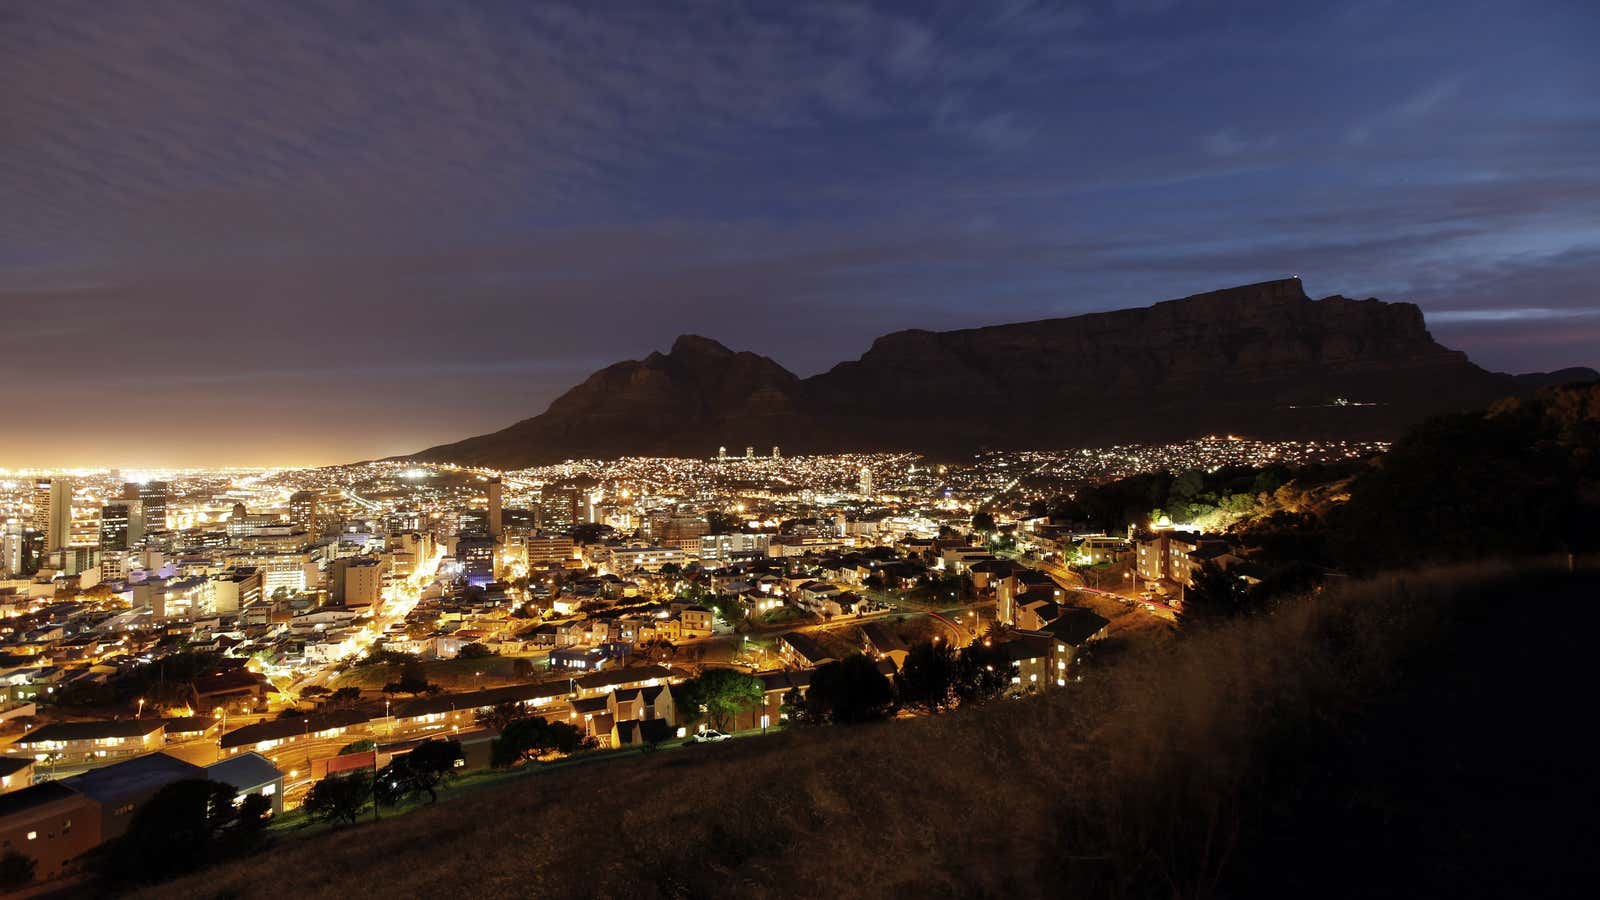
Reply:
x=501, y=715
x=422, y=771
x=793, y=709
x=186, y=825
x=928, y=679
x=982, y=521
x=982, y=673
x=530, y=738
x=722, y=523
x=16, y=871
x=360, y=746
x=475, y=650
x=1214, y=597
x=345, y=696
x=339, y=798
x=413, y=680
x=848, y=691
x=313, y=691
x=721, y=695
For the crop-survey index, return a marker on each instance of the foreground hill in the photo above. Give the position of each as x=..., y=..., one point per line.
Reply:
x=1415, y=736
x=1262, y=359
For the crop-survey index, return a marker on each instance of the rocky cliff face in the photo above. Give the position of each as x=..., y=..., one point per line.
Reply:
x=1262, y=359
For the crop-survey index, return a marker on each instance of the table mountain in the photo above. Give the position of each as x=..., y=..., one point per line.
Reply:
x=1262, y=359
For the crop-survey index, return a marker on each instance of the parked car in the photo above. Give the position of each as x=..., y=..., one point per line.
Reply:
x=710, y=736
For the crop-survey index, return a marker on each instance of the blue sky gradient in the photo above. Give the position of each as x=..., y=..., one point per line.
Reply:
x=301, y=232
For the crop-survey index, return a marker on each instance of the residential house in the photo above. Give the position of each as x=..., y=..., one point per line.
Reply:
x=250, y=773
x=802, y=651
x=264, y=736
x=696, y=621
x=583, y=659
x=78, y=741
x=602, y=683
x=879, y=641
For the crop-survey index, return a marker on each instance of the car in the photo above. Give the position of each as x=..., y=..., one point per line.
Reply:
x=710, y=736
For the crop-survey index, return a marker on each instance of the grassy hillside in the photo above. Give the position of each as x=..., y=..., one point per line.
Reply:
x=1413, y=736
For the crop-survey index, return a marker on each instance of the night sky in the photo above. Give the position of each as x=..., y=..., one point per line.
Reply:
x=319, y=232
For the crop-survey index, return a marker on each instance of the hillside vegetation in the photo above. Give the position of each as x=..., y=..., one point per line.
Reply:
x=1414, y=735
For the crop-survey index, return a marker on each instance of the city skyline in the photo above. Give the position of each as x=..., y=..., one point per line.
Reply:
x=336, y=233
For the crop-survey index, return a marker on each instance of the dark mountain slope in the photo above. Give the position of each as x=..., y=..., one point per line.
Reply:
x=1262, y=359
x=677, y=404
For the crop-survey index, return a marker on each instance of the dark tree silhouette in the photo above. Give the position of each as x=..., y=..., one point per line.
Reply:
x=1214, y=597
x=928, y=678
x=528, y=739
x=848, y=691
x=339, y=798
x=422, y=771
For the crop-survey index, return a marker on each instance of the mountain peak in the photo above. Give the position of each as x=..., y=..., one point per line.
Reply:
x=696, y=345
x=1259, y=359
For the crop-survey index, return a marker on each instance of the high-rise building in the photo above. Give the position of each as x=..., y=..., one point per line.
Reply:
x=121, y=525
x=303, y=512
x=866, y=480
x=13, y=543
x=52, y=511
x=153, y=497
x=41, y=505
x=775, y=453
x=476, y=556
x=356, y=581
x=496, y=500
x=558, y=508
x=749, y=453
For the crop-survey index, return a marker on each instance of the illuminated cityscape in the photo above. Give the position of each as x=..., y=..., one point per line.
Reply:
x=290, y=576
x=872, y=448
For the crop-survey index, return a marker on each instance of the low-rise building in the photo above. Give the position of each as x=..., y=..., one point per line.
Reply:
x=50, y=823
x=250, y=773
x=78, y=741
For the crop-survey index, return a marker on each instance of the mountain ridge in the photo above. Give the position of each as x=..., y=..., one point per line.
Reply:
x=1262, y=359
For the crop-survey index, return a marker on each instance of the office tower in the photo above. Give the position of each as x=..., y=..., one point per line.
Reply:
x=775, y=453
x=118, y=525
x=41, y=505
x=866, y=480
x=496, y=498
x=153, y=497
x=722, y=453
x=303, y=512
x=558, y=508
x=52, y=511
x=13, y=541
x=235, y=589
x=356, y=581
x=476, y=556
x=749, y=453
x=472, y=522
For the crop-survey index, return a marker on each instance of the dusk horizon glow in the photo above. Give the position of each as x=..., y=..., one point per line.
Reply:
x=320, y=233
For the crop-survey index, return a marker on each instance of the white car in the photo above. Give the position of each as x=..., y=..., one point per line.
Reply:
x=710, y=736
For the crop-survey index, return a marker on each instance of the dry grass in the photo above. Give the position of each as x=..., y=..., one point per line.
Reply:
x=1214, y=766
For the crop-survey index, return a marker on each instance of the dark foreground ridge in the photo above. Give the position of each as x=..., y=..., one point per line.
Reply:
x=1261, y=359
x=1414, y=735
